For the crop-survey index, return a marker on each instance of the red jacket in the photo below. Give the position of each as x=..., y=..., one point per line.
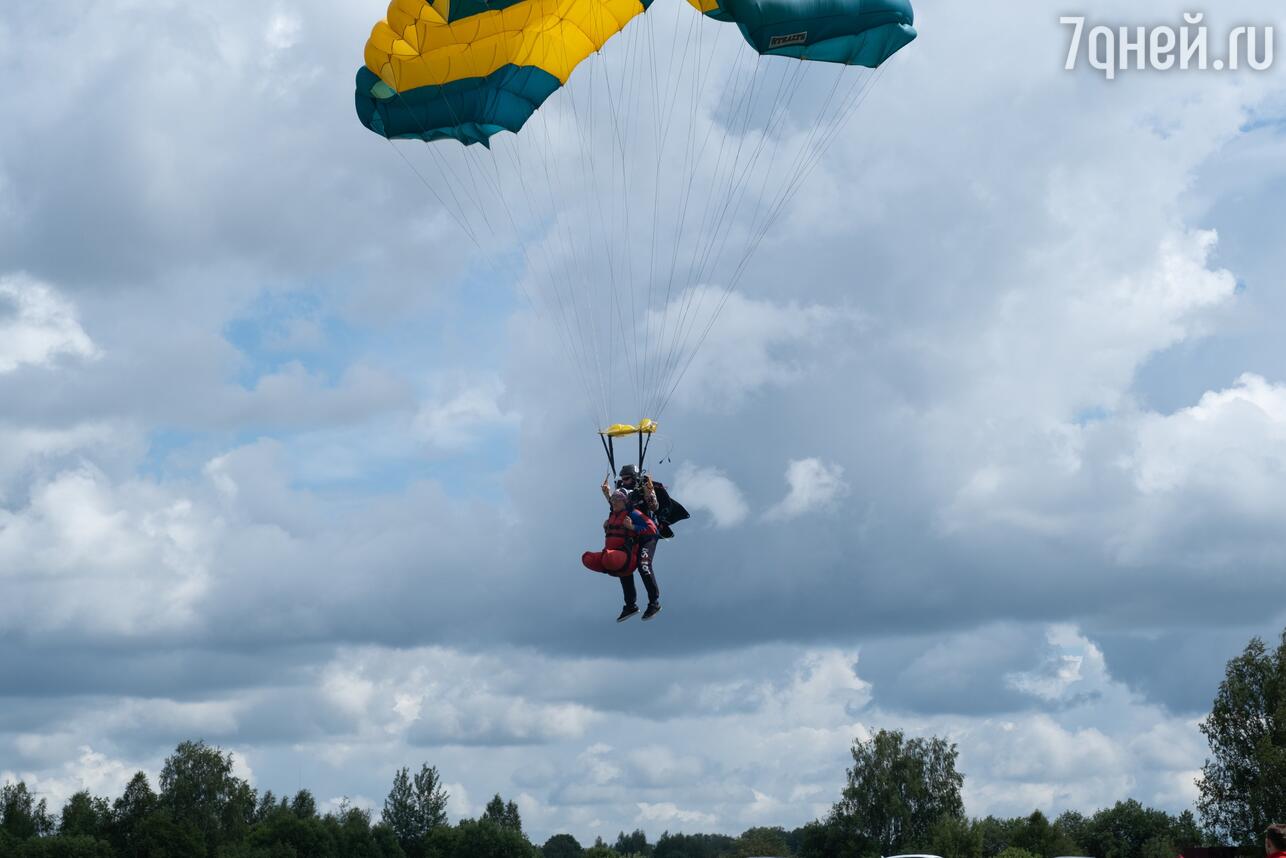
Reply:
x=625, y=525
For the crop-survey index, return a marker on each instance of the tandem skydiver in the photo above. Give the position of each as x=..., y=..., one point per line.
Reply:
x=625, y=530
x=651, y=500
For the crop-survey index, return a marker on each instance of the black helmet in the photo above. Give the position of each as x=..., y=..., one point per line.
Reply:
x=629, y=472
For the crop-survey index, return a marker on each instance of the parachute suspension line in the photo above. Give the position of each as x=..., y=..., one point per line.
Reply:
x=718, y=221
x=862, y=88
x=464, y=227
x=565, y=240
x=727, y=184
x=448, y=172
x=569, y=245
x=586, y=122
x=806, y=159
x=570, y=343
x=786, y=91
x=690, y=150
x=625, y=321
x=656, y=204
x=467, y=229
x=724, y=182
x=571, y=326
x=809, y=158
x=459, y=206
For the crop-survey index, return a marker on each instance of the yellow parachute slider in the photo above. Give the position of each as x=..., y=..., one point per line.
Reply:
x=618, y=430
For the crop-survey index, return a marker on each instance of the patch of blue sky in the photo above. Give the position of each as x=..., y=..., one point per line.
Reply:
x=1087, y=416
x=172, y=452
x=321, y=326
x=462, y=328
x=1264, y=121
x=380, y=458
x=385, y=458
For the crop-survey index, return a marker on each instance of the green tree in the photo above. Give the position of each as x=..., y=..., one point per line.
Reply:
x=159, y=835
x=995, y=834
x=199, y=790
x=415, y=806
x=692, y=846
x=128, y=813
x=1123, y=830
x=1243, y=785
x=485, y=839
x=634, y=843
x=303, y=805
x=1036, y=835
x=897, y=790
x=1015, y=852
x=265, y=807
x=63, y=846
x=761, y=841
x=1071, y=828
x=562, y=846
x=502, y=813
x=85, y=815
x=21, y=816
x=955, y=837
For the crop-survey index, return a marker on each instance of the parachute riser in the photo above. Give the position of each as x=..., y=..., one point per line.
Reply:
x=610, y=449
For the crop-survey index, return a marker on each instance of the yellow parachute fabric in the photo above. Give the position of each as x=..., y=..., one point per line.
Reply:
x=617, y=430
x=423, y=44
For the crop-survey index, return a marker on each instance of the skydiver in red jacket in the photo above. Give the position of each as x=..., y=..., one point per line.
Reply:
x=625, y=530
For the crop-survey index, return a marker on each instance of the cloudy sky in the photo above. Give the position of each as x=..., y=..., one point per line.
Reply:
x=989, y=442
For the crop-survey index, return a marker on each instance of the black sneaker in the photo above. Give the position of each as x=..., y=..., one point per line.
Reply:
x=653, y=608
x=627, y=612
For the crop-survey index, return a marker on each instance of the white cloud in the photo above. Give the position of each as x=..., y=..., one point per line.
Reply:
x=668, y=814
x=438, y=695
x=88, y=769
x=84, y=553
x=1232, y=442
x=814, y=485
x=711, y=490
x=462, y=411
x=37, y=325
x=1072, y=665
x=757, y=343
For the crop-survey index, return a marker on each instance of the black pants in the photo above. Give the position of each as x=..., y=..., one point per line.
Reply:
x=647, y=550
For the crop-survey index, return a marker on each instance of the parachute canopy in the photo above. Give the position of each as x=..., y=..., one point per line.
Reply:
x=466, y=70
x=627, y=208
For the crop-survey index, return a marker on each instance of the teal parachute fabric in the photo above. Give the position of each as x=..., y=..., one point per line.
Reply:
x=469, y=110
x=852, y=32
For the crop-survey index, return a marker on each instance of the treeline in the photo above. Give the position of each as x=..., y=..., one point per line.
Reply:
x=201, y=809
x=901, y=796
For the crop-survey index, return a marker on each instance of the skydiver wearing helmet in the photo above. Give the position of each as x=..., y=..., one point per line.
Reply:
x=650, y=499
x=641, y=496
